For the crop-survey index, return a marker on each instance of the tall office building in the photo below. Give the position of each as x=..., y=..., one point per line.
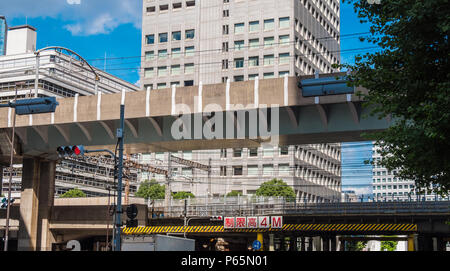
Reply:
x=3, y=35
x=388, y=187
x=188, y=42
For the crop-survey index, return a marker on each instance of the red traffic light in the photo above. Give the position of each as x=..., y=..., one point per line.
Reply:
x=78, y=150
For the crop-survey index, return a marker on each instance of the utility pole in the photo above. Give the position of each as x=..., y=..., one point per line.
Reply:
x=120, y=136
x=168, y=193
x=209, y=178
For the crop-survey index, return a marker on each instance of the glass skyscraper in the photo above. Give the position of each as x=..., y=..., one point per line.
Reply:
x=3, y=33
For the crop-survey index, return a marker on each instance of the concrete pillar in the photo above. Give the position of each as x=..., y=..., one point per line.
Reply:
x=271, y=242
x=325, y=243
x=333, y=243
x=411, y=242
x=302, y=244
x=1, y=180
x=310, y=244
x=38, y=189
x=259, y=237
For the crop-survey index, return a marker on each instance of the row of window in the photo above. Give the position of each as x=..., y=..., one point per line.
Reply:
x=254, y=26
x=254, y=61
x=175, y=6
x=252, y=170
x=255, y=43
x=388, y=180
x=380, y=187
x=175, y=36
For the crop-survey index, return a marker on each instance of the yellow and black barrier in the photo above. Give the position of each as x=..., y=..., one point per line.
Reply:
x=287, y=227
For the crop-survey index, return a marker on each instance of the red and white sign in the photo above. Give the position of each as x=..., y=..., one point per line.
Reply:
x=241, y=222
x=276, y=222
x=264, y=222
x=252, y=222
x=228, y=223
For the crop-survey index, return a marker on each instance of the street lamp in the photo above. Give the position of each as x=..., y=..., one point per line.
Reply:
x=11, y=168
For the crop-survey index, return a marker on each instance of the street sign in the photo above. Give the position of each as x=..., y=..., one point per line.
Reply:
x=253, y=222
x=263, y=222
x=256, y=245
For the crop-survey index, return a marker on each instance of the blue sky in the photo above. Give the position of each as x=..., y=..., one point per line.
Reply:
x=93, y=28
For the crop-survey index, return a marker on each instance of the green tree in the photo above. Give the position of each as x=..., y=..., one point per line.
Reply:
x=356, y=245
x=151, y=190
x=388, y=245
x=183, y=195
x=276, y=188
x=73, y=193
x=234, y=193
x=408, y=80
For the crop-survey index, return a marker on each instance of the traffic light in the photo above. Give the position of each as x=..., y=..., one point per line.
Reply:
x=132, y=212
x=216, y=218
x=64, y=151
x=4, y=203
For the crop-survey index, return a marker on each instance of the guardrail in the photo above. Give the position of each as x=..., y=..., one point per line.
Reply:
x=279, y=206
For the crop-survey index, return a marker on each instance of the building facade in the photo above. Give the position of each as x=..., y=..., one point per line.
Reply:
x=185, y=42
x=386, y=186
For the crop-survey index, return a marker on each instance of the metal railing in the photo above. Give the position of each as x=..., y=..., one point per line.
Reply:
x=254, y=206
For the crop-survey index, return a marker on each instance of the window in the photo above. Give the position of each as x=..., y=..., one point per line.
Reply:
x=252, y=170
x=175, y=83
x=253, y=152
x=176, y=35
x=224, y=46
x=188, y=83
x=190, y=34
x=269, y=75
x=253, y=26
x=284, y=22
x=283, y=73
x=269, y=24
x=283, y=169
x=238, y=78
x=175, y=69
x=150, y=39
x=151, y=9
x=190, y=3
x=176, y=52
x=223, y=153
x=267, y=170
x=225, y=29
x=269, y=42
x=189, y=68
x=284, y=40
x=150, y=55
x=268, y=60
x=253, y=61
x=237, y=152
x=162, y=71
x=189, y=51
x=226, y=13
x=177, y=6
x=161, y=85
x=284, y=150
x=252, y=77
x=225, y=64
x=254, y=43
x=149, y=72
x=223, y=171
x=163, y=7
x=239, y=28
x=237, y=170
x=162, y=54
x=162, y=37
x=238, y=45
x=239, y=62
x=149, y=87
x=284, y=58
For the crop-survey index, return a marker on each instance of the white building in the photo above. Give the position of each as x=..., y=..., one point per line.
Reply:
x=186, y=42
x=386, y=186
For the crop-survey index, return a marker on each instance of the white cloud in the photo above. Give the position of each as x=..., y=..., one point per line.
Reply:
x=79, y=17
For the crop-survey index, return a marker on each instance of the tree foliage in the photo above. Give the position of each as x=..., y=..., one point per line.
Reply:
x=408, y=80
x=73, y=193
x=234, y=193
x=151, y=190
x=276, y=188
x=183, y=195
x=388, y=245
x=356, y=245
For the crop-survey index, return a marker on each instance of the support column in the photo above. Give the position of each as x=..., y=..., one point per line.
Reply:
x=411, y=242
x=333, y=243
x=271, y=242
x=1, y=180
x=259, y=237
x=36, y=202
x=292, y=243
x=325, y=243
x=310, y=244
x=302, y=245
